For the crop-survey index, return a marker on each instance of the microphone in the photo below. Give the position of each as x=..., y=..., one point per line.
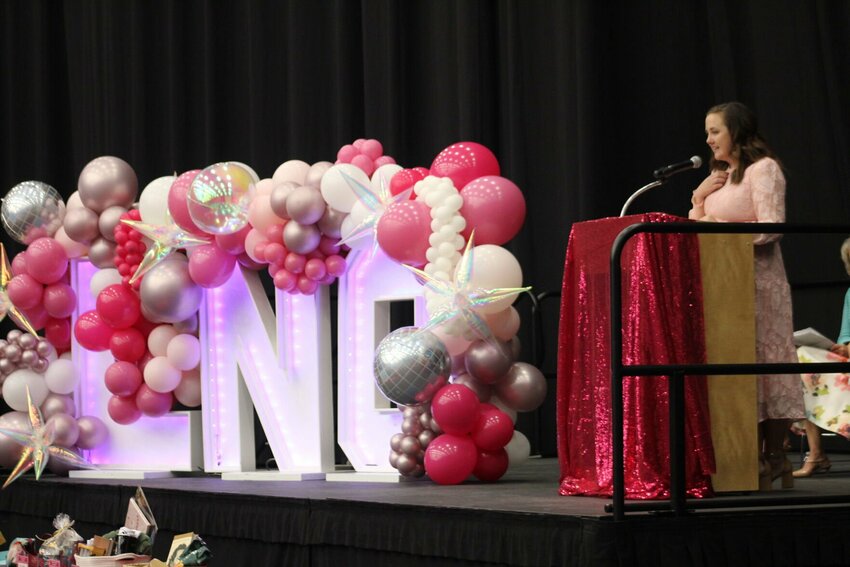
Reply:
x=668, y=170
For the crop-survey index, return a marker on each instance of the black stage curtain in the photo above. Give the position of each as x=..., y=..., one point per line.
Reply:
x=580, y=100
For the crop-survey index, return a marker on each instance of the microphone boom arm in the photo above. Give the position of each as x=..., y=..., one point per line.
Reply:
x=640, y=191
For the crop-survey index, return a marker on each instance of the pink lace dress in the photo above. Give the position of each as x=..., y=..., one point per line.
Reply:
x=760, y=197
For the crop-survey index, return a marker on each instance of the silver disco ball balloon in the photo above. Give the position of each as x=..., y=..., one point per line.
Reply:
x=411, y=365
x=30, y=210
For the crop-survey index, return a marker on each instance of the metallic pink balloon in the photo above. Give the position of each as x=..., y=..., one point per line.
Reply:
x=108, y=220
x=57, y=403
x=305, y=205
x=102, y=253
x=65, y=429
x=278, y=198
x=93, y=432
x=10, y=451
x=301, y=239
x=315, y=173
x=487, y=362
x=168, y=293
x=523, y=388
x=331, y=222
x=483, y=391
x=80, y=225
x=105, y=182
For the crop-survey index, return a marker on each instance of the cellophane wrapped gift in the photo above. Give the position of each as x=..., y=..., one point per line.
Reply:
x=58, y=549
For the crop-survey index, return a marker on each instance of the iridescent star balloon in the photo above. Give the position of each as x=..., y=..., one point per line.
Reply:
x=166, y=239
x=38, y=446
x=460, y=297
x=6, y=305
x=375, y=203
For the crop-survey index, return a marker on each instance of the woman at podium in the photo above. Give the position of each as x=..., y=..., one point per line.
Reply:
x=746, y=184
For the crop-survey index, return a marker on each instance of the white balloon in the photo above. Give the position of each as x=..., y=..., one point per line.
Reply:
x=153, y=202
x=161, y=376
x=74, y=201
x=518, y=449
x=335, y=188
x=15, y=389
x=184, y=352
x=103, y=279
x=494, y=267
x=383, y=175
x=264, y=187
x=61, y=376
x=292, y=170
x=188, y=392
x=348, y=225
x=159, y=338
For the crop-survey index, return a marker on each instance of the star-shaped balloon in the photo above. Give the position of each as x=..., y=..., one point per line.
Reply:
x=6, y=305
x=38, y=446
x=166, y=239
x=460, y=297
x=376, y=203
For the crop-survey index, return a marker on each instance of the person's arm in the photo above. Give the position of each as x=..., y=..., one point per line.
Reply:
x=840, y=346
x=709, y=185
x=768, y=184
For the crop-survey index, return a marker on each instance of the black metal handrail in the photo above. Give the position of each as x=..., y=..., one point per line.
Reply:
x=678, y=503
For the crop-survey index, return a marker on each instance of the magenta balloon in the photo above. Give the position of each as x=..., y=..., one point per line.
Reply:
x=65, y=429
x=47, y=260
x=153, y=404
x=403, y=232
x=177, y=204
x=493, y=430
x=93, y=432
x=490, y=466
x=25, y=291
x=450, y=459
x=10, y=451
x=118, y=306
x=455, y=408
x=57, y=403
x=494, y=207
x=59, y=300
x=91, y=331
x=464, y=161
x=210, y=266
x=19, y=264
x=105, y=182
x=123, y=410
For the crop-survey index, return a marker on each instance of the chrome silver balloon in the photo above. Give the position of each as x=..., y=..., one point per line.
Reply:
x=410, y=366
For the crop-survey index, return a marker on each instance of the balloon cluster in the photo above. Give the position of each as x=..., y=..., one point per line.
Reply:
x=33, y=366
x=368, y=155
x=407, y=449
x=40, y=290
x=462, y=212
x=130, y=248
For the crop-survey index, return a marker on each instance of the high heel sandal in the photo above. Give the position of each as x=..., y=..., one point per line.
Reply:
x=773, y=466
x=811, y=467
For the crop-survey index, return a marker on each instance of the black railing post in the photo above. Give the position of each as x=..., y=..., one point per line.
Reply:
x=676, y=403
x=618, y=494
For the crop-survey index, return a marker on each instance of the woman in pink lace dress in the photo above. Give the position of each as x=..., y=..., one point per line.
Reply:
x=746, y=184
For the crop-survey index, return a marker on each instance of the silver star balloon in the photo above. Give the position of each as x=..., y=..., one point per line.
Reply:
x=376, y=203
x=38, y=446
x=461, y=297
x=166, y=239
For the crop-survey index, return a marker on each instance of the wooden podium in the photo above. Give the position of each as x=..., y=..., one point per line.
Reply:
x=726, y=262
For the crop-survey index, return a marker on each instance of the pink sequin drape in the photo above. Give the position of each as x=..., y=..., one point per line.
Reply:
x=662, y=324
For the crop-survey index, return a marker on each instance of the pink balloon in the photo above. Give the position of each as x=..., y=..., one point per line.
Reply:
x=19, y=264
x=347, y=153
x=403, y=232
x=91, y=332
x=493, y=429
x=252, y=239
x=46, y=260
x=118, y=306
x=233, y=243
x=210, y=266
x=37, y=316
x=407, y=178
x=123, y=410
x=275, y=253
x=372, y=149
x=455, y=407
x=335, y=265
x=494, y=207
x=315, y=269
x=128, y=345
x=306, y=286
x=177, y=205
x=294, y=263
x=450, y=459
x=284, y=279
x=491, y=465
x=25, y=291
x=365, y=163
x=59, y=300
x=93, y=432
x=246, y=261
x=464, y=161
x=122, y=378
x=384, y=160
x=153, y=404
x=58, y=333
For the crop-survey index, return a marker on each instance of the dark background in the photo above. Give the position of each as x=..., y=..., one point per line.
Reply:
x=580, y=101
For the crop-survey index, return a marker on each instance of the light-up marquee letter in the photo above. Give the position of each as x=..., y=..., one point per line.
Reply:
x=365, y=419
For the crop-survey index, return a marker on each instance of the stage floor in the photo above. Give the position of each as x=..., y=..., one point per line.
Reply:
x=521, y=520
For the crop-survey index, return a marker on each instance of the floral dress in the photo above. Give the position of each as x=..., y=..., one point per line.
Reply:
x=760, y=197
x=827, y=396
